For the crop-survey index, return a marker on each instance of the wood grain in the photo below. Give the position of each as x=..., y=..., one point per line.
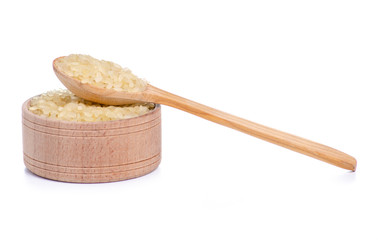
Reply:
x=88, y=152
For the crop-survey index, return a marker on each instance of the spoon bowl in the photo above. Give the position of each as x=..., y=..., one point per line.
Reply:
x=156, y=95
x=97, y=94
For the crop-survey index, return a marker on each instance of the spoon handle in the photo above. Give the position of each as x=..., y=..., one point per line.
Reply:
x=286, y=140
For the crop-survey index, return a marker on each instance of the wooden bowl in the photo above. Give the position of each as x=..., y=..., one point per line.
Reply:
x=91, y=152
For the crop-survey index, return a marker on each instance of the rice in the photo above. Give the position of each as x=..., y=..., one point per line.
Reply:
x=64, y=105
x=100, y=73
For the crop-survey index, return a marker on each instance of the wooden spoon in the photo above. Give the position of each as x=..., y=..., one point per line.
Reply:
x=156, y=95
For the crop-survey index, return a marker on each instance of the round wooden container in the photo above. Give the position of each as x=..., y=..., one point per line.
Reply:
x=91, y=152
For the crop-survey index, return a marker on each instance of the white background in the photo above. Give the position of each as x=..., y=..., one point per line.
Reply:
x=305, y=67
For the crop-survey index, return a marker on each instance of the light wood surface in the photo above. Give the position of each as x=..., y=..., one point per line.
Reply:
x=89, y=152
x=156, y=95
